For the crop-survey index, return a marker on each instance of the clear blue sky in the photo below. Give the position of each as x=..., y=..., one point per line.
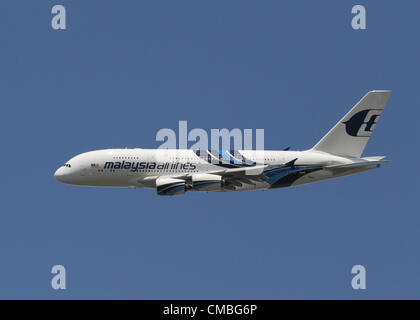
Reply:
x=125, y=69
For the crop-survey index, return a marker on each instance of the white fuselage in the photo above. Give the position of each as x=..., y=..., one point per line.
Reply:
x=141, y=167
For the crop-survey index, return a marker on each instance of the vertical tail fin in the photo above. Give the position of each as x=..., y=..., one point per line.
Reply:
x=351, y=134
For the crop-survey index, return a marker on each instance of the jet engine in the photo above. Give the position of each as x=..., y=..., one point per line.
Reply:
x=170, y=186
x=207, y=182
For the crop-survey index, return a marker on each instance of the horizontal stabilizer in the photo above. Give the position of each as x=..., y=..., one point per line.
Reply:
x=377, y=158
x=357, y=164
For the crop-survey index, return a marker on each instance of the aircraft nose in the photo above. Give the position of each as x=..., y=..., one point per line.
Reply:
x=59, y=174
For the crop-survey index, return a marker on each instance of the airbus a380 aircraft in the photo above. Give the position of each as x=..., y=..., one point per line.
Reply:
x=173, y=172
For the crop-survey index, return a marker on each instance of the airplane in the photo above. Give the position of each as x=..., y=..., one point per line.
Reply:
x=175, y=171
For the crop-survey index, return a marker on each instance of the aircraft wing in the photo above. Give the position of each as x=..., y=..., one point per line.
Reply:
x=274, y=175
x=263, y=173
x=282, y=175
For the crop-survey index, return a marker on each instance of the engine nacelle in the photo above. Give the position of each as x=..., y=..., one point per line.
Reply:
x=170, y=186
x=206, y=182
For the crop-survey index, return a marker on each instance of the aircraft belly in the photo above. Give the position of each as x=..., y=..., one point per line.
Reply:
x=247, y=187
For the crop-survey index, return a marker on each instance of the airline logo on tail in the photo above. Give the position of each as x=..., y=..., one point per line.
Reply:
x=362, y=123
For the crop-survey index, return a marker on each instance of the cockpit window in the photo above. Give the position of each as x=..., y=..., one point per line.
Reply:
x=67, y=165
